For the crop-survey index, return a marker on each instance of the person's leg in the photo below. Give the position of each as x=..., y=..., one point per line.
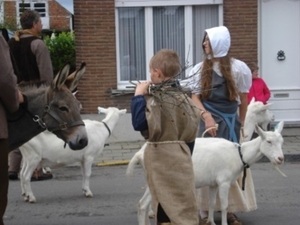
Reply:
x=39, y=175
x=14, y=158
x=3, y=177
x=162, y=217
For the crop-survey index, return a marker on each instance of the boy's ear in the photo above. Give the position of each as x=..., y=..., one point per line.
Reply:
x=159, y=73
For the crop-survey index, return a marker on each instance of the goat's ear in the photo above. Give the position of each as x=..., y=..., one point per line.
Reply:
x=259, y=131
x=252, y=100
x=279, y=126
x=266, y=107
x=101, y=110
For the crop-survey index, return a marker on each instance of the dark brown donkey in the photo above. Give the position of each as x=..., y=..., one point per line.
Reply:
x=50, y=107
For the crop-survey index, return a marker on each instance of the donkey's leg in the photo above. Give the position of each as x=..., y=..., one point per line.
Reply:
x=86, y=174
x=223, y=194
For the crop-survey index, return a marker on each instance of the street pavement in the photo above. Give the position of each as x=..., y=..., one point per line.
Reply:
x=120, y=153
x=60, y=200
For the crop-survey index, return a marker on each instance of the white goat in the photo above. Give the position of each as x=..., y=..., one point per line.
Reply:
x=217, y=163
x=48, y=150
x=257, y=113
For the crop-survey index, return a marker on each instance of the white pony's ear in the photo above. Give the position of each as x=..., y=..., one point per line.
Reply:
x=279, y=127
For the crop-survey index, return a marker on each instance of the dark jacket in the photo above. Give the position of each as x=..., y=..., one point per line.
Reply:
x=9, y=98
x=25, y=60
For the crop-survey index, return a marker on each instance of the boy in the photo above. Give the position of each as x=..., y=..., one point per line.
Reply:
x=168, y=120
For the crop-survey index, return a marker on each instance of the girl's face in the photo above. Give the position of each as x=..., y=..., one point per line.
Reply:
x=206, y=45
x=255, y=74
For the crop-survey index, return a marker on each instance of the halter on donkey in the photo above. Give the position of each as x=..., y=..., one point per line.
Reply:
x=50, y=107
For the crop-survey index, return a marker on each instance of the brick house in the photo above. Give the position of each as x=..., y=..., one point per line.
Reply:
x=113, y=33
x=54, y=16
x=99, y=49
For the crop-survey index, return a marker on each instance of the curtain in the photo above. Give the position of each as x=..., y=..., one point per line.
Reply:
x=168, y=30
x=204, y=16
x=132, y=43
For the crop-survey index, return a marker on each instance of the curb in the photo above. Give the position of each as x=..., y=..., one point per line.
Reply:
x=114, y=163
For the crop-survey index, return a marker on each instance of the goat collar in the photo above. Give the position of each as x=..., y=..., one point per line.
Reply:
x=245, y=166
x=109, y=131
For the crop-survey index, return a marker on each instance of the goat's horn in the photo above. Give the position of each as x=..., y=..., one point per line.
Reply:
x=277, y=168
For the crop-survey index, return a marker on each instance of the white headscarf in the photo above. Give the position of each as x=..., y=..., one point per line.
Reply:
x=219, y=38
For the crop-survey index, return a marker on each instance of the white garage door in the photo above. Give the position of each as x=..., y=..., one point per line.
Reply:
x=280, y=55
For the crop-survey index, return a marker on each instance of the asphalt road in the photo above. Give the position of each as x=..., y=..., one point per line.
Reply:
x=60, y=201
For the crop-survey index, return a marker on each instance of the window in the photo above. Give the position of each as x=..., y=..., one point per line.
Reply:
x=143, y=27
x=39, y=5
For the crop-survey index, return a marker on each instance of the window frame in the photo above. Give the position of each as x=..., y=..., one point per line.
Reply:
x=32, y=2
x=148, y=5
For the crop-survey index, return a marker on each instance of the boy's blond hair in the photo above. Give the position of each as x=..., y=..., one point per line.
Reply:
x=167, y=61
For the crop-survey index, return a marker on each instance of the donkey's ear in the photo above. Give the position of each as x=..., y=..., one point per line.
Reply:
x=73, y=79
x=61, y=77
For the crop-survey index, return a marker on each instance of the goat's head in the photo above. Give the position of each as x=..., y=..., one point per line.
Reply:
x=271, y=144
x=260, y=112
x=111, y=110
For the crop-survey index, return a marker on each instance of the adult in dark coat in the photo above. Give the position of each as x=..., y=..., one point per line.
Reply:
x=9, y=100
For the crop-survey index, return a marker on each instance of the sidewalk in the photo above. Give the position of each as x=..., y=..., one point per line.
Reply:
x=121, y=153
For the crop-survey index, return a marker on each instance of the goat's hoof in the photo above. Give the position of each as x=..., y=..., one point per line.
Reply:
x=205, y=221
x=151, y=215
x=90, y=195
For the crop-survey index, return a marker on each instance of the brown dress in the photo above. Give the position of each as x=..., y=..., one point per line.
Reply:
x=172, y=122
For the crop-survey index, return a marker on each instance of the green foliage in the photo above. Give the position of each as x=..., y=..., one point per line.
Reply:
x=9, y=23
x=62, y=50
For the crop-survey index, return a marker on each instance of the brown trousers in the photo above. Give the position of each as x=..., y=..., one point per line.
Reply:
x=14, y=160
x=4, y=149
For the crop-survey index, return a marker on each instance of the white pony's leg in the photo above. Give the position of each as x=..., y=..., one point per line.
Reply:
x=223, y=194
x=212, y=203
x=144, y=207
x=86, y=168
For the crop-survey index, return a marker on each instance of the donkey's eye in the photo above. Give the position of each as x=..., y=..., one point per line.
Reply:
x=64, y=109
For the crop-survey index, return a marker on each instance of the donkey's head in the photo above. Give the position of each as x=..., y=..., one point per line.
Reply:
x=62, y=112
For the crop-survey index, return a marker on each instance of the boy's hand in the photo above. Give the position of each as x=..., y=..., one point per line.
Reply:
x=142, y=88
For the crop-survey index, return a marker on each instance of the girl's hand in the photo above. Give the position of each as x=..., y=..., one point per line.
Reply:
x=209, y=123
x=142, y=88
